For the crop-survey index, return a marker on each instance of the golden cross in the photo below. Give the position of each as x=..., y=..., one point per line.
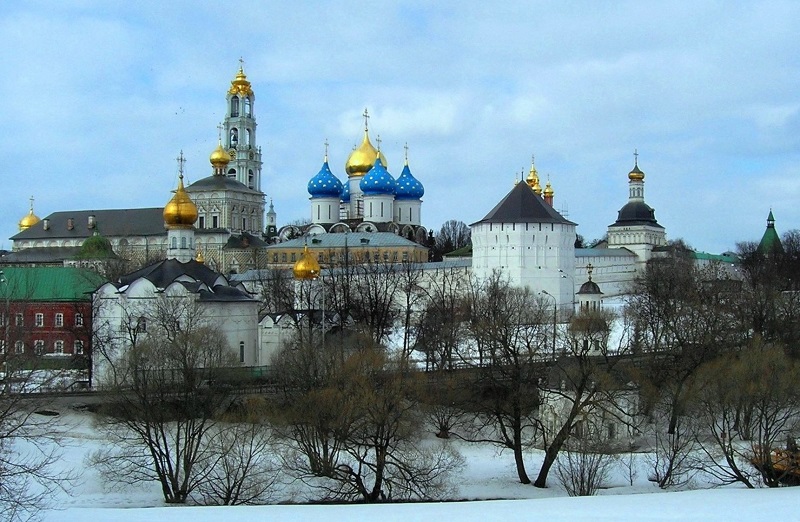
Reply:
x=589, y=269
x=366, y=119
x=181, y=162
x=406, y=149
x=326, y=150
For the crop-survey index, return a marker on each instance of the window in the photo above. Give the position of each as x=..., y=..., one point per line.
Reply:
x=141, y=324
x=244, y=223
x=283, y=257
x=59, y=347
x=241, y=351
x=275, y=257
x=235, y=106
x=201, y=223
x=19, y=347
x=78, y=319
x=183, y=242
x=174, y=242
x=59, y=320
x=386, y=256
x=78, y=348
x=19, y=320
x=2, y=347
x=294, y=257
x=38, y=347
x=214, y=221
x=39, y=320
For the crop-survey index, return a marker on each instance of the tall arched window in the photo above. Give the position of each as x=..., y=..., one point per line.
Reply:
x=251, y=179
x=235, y=106
x=249, y=138
x=234, y=138
x=174, y=242
x=183, y=242
x=248, y=107
x=232, y=173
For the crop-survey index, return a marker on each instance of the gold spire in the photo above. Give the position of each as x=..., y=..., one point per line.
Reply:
x=29, y=220
x=533, y=179
x=180, y=211
x=240, y=85
x=363, y=157
x=306, y=268
x=636, y=174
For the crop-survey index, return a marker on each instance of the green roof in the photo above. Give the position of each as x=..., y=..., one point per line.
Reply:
x=770, y=242
x=48, y=283
x=723, y=258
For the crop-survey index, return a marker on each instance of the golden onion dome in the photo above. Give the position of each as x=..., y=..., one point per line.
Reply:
x=181, y=210
x=220, y=157
x=306, y=268
x=29, y=220
x=363, y=158
x=533, y=180
x=240, y=85
x=636, y=174
x=200, y=258
x=548, y=190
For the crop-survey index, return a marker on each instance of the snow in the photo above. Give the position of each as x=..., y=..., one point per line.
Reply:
x=488, y=474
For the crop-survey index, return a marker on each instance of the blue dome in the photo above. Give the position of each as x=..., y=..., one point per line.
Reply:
x=408, y=187
x=378, y=181
x=345, y=194
x=325, y=184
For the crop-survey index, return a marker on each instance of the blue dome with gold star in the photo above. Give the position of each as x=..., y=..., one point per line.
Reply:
x=325, y=184
x=408, y=187
x=378, y=181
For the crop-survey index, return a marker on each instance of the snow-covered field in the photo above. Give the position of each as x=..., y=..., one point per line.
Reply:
x=487, y=475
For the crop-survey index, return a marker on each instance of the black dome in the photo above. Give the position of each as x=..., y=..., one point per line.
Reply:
x=636, y=213
x=589, y=287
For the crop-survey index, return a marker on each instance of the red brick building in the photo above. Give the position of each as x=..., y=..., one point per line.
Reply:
x=46, y=316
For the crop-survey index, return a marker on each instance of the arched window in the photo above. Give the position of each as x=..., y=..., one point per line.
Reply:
x=232, y=173
x=174, y=242
x=234, y=141
x=249, y=137
x=235, y=106
x=251, y=179
x=248, y=107
x=183, y=242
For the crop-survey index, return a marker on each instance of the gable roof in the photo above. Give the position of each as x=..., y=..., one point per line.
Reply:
x=110, y=223
x=522, y=205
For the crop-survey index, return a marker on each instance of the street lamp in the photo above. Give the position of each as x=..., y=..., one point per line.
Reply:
x=555, y=311
x=565, y=275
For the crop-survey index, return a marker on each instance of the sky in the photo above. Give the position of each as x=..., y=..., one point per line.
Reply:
x=100, y=97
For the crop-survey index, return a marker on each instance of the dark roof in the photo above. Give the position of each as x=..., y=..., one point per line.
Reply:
x=636, y=213
x=522, y=205
x=41, y=255
x=245, y=240
x=201, y=280
x=111, y=222
x=352, y=239
x=219, y=183
x=162, y=273
x=48, y=283
x=589, y=287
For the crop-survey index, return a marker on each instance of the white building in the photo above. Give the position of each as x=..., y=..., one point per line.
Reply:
x=179, y=288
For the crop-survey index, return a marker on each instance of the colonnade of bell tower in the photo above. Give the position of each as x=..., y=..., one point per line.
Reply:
x=240, y=133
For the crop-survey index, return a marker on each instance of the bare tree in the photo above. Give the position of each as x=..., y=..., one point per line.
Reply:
x=163, y=414
x=243, y=467
x=507, y=329
x=453, y=235
x=748, y=417
x=584, y=466
x=685, y=315
x=582, y=388
x=352, y=420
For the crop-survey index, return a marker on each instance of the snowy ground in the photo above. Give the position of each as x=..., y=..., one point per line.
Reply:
x=487, y=475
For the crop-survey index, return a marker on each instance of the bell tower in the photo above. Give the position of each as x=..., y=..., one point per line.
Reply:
x=240, y=133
